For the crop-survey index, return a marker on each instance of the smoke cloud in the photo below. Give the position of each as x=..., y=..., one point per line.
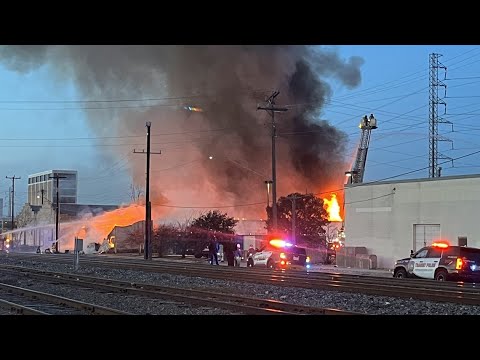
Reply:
x=226, y=83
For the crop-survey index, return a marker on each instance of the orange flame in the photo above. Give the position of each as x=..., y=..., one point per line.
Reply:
x=97, y=228
x=332, y=208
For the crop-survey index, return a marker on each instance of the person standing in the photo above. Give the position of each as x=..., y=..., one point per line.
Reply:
x=238, y=255
x=213, y=250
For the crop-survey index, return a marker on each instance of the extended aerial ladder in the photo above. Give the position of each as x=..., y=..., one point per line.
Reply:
x=367, y=124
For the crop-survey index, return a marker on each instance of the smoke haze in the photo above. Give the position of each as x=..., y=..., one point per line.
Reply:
x=227, y=83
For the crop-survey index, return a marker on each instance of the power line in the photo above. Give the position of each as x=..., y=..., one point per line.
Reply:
x=211, y=207
x=183, y=97
x=463, y=97
x=463, y=78
x=112, y=137
x=402, y=174
x=178, y=166
x=373, y=198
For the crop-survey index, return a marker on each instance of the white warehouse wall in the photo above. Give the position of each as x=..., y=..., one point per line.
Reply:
x=381, y=216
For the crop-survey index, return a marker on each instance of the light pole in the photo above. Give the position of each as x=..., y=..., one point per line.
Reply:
x=42, y=191
x=269, y=184
x=57, y=177
x=350, y=174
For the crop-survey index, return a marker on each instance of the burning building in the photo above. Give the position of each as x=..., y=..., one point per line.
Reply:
x=202, y=101
x=36, y=220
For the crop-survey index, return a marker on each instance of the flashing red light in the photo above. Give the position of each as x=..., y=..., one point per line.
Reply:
x=279, y=243
x=283, y=256
x=440, y=245
x=282, y=262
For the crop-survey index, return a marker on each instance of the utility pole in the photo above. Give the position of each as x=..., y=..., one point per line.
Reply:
x=42, y=191
x=148, y=205
x=294, y=199
x=57, y=208
x=271, y=110
x=13, y=178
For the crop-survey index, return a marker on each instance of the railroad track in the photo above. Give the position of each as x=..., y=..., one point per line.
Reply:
x=234, y=303
x=17, y=300
x=453, y=292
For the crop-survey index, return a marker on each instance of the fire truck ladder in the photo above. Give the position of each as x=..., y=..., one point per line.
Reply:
x=367, y=124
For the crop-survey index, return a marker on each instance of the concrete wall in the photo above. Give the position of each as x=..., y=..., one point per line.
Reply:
x=381, y=216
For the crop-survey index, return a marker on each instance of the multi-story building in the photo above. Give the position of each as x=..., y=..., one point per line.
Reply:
x=42, y=187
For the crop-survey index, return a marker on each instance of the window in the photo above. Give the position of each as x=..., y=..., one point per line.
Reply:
x=299, y=251
x=424, y=235
x=435, y=252
x=471, y=254
x=67, y=192
x=421, y=254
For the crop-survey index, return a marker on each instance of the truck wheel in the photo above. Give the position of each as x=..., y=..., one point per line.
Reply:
x=441, y=275
x=400, y=273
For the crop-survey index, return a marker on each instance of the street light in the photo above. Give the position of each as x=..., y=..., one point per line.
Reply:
x=269, y=184
x=350, y=174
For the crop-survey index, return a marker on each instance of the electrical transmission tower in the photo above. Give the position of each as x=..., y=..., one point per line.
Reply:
x=434, y=119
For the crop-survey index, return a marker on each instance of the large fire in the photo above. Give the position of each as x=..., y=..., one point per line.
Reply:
x=97, y=228
x=332, y=208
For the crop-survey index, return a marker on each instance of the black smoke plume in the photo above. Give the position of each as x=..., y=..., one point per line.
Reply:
x=226, y=83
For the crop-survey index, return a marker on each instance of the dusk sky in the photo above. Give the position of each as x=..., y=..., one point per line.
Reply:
x=41, y=130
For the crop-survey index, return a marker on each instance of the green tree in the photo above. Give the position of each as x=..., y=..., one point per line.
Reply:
x=310, y=220
x=213, y=221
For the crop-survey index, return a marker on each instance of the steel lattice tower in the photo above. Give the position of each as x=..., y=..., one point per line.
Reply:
x=434, y=102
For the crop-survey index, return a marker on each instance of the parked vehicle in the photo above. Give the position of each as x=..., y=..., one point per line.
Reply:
x=441, y=262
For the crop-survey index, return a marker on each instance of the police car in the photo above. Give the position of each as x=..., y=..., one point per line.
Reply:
x=279, y=254
x=441, y=262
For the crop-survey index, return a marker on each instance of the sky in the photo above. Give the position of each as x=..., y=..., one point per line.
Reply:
x=37, y=136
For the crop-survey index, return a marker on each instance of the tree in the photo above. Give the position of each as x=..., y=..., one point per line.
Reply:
x=26, y=217
x=310, y=220
x=215, y=221
x=136, y=236
x=212, y=223
x=183, y=233
x=164, y=236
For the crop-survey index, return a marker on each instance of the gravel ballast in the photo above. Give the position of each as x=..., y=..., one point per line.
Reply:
x=367, y=304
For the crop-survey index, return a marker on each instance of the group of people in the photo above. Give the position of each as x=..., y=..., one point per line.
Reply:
x=234, y=255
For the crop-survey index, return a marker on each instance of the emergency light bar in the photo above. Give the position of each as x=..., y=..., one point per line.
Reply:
x=280, y=243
